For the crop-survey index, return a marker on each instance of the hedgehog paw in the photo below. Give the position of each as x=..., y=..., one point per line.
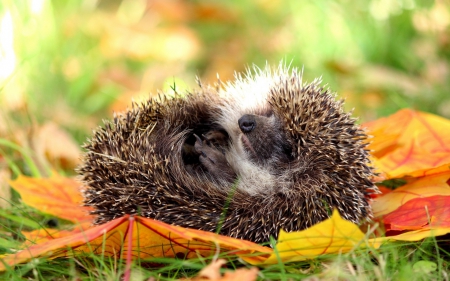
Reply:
x=213, y=160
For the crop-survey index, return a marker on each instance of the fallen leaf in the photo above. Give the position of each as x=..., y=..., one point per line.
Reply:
x=419, y=213
x=131, y=237
x=56, y=196
x=212, y=272
x=57, y=145
x=332, y=236
x=46, y=234
x=383, y=190
x=50, y=143
x=417, y=188
x=416, y=235
x=241, y=274
x=410, y=143
x=145, y=238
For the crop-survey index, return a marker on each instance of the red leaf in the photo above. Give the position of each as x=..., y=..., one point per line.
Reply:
x=420, y=213
x=416, y=188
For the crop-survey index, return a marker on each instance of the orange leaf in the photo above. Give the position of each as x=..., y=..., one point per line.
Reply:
x=418, y=188
x=56, y=196
x=130, y=236
x=332, y=236
x=410, y=143
x=45, y=234
x=151, y=238
x=420, y=213
x=383, y=191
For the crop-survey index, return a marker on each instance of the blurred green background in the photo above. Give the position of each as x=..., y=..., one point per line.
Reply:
x=65, y=65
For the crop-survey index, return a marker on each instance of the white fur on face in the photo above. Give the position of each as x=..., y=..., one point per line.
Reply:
x=249, y=95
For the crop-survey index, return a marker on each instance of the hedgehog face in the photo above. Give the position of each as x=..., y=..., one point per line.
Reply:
x=263, y=139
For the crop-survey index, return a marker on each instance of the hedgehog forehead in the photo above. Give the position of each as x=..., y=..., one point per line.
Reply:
x=250, y=95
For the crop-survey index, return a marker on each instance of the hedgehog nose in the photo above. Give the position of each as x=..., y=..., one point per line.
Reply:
x=247, y=123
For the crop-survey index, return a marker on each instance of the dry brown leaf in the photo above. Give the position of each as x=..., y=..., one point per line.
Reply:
x=49, y=143
x=56, y=145
x=249, y=274
x=212, y=273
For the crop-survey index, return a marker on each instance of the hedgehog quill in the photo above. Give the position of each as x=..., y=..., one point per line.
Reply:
x=263, y=153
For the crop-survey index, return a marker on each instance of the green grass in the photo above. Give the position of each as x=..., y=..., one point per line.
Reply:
x=425, y=260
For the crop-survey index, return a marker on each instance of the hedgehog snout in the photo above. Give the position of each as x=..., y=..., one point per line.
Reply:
x=247, y=123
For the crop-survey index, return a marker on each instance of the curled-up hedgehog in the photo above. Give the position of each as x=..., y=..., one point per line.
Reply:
x=246, y=159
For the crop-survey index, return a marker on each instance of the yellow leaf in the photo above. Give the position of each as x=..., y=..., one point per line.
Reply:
x=415, y=235
x=332, y=236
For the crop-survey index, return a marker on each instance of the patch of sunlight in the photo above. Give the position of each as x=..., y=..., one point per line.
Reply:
x=7, y=55
x=36, y=6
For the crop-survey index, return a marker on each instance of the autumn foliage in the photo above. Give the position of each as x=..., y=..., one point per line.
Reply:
x=410, y=146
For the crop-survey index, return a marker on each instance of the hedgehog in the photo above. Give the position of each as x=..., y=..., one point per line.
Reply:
x=244, y=159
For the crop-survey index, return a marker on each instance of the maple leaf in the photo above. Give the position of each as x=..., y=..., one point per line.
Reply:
x=420, y=213
x=131, y=237
x=136, y=237
x=410, y=143
x=419, y=218
x=58, y=196
x=383, y=190
x=157, y=239
x=436, y=184
x=42, y=235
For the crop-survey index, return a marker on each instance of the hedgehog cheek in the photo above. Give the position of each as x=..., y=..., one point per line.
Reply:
x=248, y=146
